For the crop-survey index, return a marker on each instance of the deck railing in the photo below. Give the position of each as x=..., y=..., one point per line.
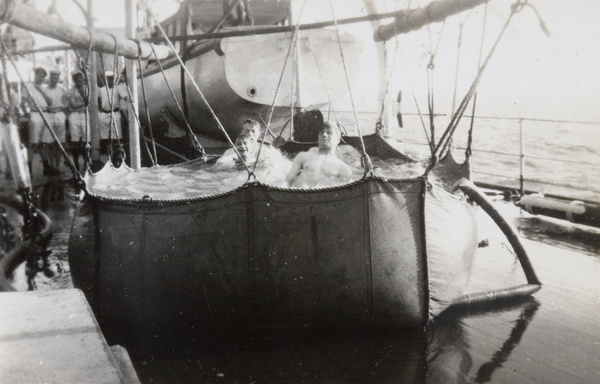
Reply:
x=555, y=157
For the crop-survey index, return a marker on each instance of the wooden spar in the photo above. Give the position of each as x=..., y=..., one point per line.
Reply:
x=407, y=20
x=28, y=18
x=50, y=48
x=265, y=30
x=436, y=11
x=25, y=16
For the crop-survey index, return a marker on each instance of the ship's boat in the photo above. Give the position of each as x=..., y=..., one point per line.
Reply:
x=241, y=76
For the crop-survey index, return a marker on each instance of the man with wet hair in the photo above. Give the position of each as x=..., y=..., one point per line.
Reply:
x=246, y=144
x=320, y=166
x=272, y=165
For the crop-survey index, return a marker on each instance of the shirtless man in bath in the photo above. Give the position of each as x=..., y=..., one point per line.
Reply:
x=320, y=166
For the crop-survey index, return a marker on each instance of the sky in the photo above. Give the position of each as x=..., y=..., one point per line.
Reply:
x=530, y=75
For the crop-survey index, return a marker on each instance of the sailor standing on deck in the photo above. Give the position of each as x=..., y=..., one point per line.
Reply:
x=34, y=97
x=75, y=100
x=109, y=134
x=56, y=118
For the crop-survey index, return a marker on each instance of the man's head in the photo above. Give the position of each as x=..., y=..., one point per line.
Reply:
x=39, y=75
x=54, y=78
x=246, y=144
x=329, y=136
x=77, y=79
x=251, y=127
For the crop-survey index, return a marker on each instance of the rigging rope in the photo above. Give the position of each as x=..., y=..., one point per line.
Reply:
x=83, y=66
x=139, y=124
x=379, y=122
x=190, y=132
x=293, y=100
x=114, y=88
x=287, y=56
x=469, y=149
x=429, y=142
x=430, y=84
x=76, y=174
x=312, y=49
x=446, y=137
x=458, y=48
x=142, y=82
x=186, y=70
x=366, y=160
x=110, y=96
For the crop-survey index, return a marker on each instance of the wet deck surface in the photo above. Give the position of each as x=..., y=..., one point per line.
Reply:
x=553, y=337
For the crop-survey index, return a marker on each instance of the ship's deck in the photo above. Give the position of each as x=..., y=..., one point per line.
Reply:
x=550, y=338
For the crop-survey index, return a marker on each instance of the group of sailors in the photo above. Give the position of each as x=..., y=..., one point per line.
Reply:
x=327, y=164
x=67, y=108
x=65, y=113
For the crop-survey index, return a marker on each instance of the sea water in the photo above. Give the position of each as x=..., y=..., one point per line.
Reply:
x=559, y=157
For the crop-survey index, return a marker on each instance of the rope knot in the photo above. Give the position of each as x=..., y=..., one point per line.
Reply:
x=365, y=161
